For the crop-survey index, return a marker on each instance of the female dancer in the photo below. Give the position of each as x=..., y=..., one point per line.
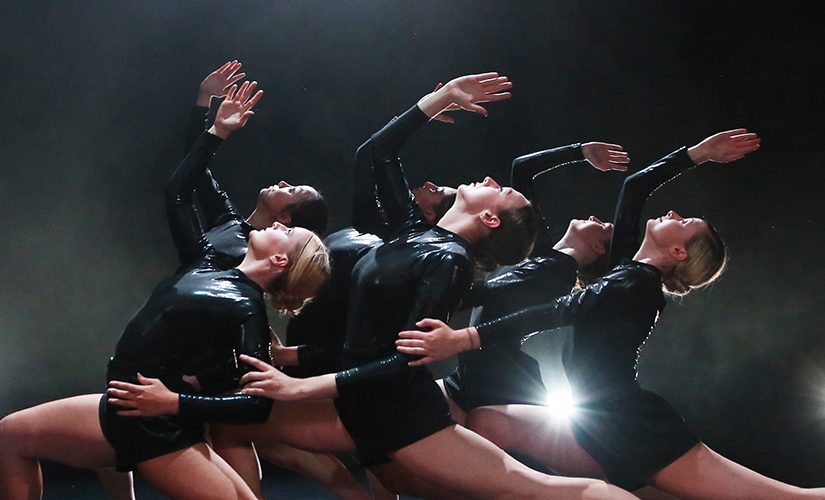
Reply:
x=504, y=374
x=632, y=435
x=293, y=206
x=194, y=322
x=391, y=411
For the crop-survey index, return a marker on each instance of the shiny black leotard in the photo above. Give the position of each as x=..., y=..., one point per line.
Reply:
x=502, y=373
x=226, y=230
x=320, y=329
x=631, y=432
x=421, y=271
x=195, y=322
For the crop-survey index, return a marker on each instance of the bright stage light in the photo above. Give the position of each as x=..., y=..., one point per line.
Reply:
x=560, y=403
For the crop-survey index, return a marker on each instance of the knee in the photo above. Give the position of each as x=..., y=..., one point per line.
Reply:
x=15, y=432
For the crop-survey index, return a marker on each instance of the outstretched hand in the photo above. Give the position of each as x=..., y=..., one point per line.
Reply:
x=236, y=109
x=724, y=147
x=603, y=156
x=466, y=92
x=148, y=399
x=440, y=342
x=217, y=82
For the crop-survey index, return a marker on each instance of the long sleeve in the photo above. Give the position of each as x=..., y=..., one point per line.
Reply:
x=380, y=153
x=252, y=340
x=524, y=171
x=183, y=221
x=446, y=280
x=561, y=312
x=635, y=191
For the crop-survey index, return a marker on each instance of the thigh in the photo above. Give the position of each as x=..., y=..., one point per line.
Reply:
x=460, y=460
x=535, y=432
x=703, y=473
x=65, y=431
x=308, y=425
x=194, y=472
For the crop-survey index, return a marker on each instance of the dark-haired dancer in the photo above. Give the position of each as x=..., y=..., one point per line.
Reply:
x=503, y=373
x=301, y=205
x=194, y=322
x=632, y=436
x=392, y=411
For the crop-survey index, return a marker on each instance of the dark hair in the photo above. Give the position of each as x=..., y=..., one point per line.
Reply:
x=510, y=242
x=707, y=258
x=589, y=273
x=311, y=213
x=440, y=208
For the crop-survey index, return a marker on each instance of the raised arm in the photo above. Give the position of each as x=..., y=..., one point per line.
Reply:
x=381, y=150
x=183, y=223
x=525, y=169
x=723, y=147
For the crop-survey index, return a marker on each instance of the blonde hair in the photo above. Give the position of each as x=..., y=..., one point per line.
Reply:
x=707, y=258
x=306, y=272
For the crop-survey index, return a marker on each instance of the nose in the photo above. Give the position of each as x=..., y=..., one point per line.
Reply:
x=489, y=181
x=430, y=185
x=278, y=225
x=593, y=218
x=284, y=184
x=673, y=215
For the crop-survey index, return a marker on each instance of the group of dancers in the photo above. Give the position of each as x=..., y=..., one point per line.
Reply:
x=194, y=395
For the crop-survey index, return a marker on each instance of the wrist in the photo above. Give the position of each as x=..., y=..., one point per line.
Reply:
x=203, y=99
x=174, y=405
x=286, y=356
x=434, y=102
x=219, y=132
x=697, y=154
x=471, y=339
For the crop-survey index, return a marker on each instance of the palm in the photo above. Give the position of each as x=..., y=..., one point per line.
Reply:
x=605, y=157
x=236, y=108
x=216, y=83
x=730, y=145
x=467, y=91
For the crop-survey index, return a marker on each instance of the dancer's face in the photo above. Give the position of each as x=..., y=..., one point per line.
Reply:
x=589, y=235
x=488, y=195
x=672, y=229
x=429, y=195
x=276, y=199
x=277, y=239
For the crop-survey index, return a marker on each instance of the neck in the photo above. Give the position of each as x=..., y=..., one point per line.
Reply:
x=463, y=225
x=654, y=256
x=256, y=270
x=581, y=257
x=260, y=219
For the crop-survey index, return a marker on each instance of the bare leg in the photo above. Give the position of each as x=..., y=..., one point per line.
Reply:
x=195, y=472
x=325, y=470
x=117, y=485
x=309, y=425
x=395, y=478
x=460, y=460
x=533, y=431
x=66, y=431
x=703, y=473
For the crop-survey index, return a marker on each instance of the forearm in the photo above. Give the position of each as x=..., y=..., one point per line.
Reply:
x=234, y=409
x=526, y=168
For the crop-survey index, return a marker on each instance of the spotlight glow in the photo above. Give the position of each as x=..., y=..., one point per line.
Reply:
x=560, y=404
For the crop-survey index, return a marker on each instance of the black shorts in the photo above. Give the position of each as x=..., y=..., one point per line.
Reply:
x=137, y=439
x=496, y=377
x=633, y=436
x=389, y=414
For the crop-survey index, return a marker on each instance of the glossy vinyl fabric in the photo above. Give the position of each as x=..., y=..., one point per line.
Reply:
x=502, y=373
x=631, y=432
x=198, y=321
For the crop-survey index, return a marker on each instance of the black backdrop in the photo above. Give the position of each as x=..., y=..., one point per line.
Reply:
x=94, y=97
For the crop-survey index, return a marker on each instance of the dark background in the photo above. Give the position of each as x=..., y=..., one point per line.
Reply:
x=95, y=95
